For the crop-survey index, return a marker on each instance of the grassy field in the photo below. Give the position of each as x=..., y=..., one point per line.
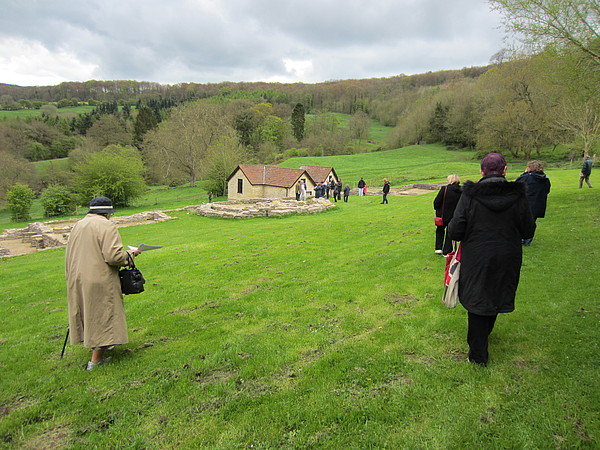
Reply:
x=321, y=331
x=23, y=113
x=426, y=163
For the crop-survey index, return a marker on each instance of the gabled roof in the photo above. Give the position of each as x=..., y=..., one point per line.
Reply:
x=319, y=173
x=270, y=175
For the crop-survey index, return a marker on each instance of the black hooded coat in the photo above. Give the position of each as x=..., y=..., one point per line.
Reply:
x=538, y=187
x=491, y=219
x=444, y=208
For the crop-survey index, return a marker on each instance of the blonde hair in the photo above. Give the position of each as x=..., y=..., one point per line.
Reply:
x=453, y=179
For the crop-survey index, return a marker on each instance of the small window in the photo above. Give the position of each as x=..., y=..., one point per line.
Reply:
x=240, y=186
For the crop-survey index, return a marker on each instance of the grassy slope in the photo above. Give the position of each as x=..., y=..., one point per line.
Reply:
x=23, y=113
x=315, y=331
x=428, y=163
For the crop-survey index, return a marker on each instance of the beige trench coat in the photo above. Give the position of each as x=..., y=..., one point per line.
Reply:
x=94, y=254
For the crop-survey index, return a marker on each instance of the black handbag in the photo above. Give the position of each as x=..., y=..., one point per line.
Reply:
x=132, y=280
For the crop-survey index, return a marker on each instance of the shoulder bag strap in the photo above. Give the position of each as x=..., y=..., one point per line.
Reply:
x=444, y=200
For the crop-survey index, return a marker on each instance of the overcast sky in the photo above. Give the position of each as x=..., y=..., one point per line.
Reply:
x=170, y=41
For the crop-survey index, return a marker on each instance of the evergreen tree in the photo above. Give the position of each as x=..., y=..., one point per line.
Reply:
x=145, y=121
x=438, y=127
x=298, y=121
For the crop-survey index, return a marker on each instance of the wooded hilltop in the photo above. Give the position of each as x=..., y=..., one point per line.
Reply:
x=543, y=104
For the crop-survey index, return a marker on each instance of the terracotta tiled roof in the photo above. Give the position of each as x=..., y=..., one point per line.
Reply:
x=319, y=173
x=271, y=175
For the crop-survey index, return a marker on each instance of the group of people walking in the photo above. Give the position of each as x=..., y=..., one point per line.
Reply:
x=329, y=189
x=333, y=189
x=493, y=219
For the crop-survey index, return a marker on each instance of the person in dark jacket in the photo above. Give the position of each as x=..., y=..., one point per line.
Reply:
x=361, y=187
x=586, y=171
x=346, y=193
x=490, y=220
x=537, y=187
x=386, y=191
x=319, y=190
x=444, y=204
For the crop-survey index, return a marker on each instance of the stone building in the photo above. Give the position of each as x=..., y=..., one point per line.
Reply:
x=266, y=181
x=321, y=174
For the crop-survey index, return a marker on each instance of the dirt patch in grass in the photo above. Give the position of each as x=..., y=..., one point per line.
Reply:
x=581, y=432
x=20, y=402
x=400, y=299
x=17, y=247
x=413, y=357
x=522, y=364
x=457, y=355
x=212, y=304
x=214, y=376
x=311, y=355
x=55, y=438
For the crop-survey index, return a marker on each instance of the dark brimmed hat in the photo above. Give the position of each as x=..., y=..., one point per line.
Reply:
x=493, y=164
x=101, y=205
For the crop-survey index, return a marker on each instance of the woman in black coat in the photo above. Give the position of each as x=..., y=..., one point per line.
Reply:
x=537, y=188
x=444, y=204
x=491, y=219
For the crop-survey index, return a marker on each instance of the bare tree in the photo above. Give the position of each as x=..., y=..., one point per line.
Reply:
x=181, y=144
x=539, y=22
x=583, y=121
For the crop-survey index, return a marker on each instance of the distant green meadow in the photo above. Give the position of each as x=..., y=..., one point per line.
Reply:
x=24, y=113
x=314, y=331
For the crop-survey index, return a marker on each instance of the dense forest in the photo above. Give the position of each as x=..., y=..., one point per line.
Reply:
x=521, y=104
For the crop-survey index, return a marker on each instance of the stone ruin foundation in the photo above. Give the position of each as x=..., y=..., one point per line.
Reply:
x=408, y=189
x=259, y=207
x=55, y=233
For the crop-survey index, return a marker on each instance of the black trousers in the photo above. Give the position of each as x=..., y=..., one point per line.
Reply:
x=441, y=240
x=480, y=328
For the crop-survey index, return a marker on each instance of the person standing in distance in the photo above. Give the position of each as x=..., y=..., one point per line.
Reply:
x=491, y=219
x=386, y=191
x=302, y=191
x=537, y=188
x=361, y=187
x=95, y=302
x=586, y=171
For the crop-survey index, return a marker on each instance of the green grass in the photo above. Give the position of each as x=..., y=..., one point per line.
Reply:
x=320, y=331
x=426, y=163
x=59, y=163
x=156, y=197
x=23, y=113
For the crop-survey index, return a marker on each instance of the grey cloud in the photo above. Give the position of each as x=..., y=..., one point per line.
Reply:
x=211, y=41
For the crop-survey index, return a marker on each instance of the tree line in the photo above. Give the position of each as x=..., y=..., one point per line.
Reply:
x=521, y=103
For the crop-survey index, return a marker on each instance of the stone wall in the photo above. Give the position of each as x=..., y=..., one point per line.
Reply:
x=39, y=235
x=248, y=208
x=55, y=233
x=402, y=190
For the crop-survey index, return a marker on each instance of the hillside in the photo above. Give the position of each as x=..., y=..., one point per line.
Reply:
x=321, y=331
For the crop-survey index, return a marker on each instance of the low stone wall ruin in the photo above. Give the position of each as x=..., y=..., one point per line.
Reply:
x=55, y=233
x=248, y=208
x=408, y=189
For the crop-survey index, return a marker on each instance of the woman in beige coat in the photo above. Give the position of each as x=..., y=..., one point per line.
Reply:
x=93, y=257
